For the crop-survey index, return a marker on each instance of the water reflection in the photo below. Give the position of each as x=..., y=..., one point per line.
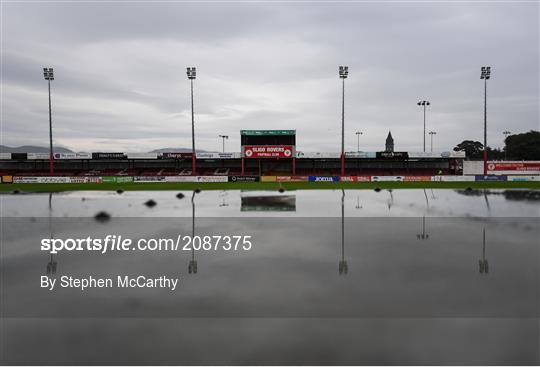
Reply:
x=343, y=267
x=483, y=263
x=51, y=265
x=192, y=267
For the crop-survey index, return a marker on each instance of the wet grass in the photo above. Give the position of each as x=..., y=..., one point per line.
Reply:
x=58, y=187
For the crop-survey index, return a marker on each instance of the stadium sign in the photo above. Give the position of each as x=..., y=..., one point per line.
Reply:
x=392, y=155
x=267, y=132
x=5, y=156
x=268, y=151
x=244, y=179
x=115, y=155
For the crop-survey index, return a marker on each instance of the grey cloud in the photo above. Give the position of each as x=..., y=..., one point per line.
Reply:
x=121, y=71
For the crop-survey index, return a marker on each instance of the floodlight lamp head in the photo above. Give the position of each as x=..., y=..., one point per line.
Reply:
x=191, y=72
x=343, y=71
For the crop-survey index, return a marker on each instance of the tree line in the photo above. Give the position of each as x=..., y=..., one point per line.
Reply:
x=524, y=146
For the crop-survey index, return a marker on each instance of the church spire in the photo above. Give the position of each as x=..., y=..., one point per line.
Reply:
x=389, y=143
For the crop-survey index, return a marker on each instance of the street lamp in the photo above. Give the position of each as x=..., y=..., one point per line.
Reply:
x=431, y=133
x=49, y=75
x=191, y=74
x=343, y=74
x=224, y=137
x=485, y=75
x=424, y=104
x=506, y=133
x=358, y=133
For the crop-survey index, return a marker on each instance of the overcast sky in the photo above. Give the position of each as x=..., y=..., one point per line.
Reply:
x=120, y=81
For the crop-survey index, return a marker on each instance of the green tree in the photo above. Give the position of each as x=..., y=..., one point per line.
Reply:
x=472, y=149
x=525, y=146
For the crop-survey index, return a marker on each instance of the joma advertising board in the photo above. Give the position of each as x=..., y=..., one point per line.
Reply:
x=268, y=151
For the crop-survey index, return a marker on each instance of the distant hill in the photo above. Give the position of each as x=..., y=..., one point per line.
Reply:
x=35, y=149
x=32, y=149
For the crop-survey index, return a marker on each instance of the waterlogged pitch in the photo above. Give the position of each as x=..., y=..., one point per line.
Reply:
x=334, y=276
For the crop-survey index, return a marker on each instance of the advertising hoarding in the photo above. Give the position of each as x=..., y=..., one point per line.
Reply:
x=417, y=178
x=180, y=179
x=267, y=132
x=175, y=155
x=244, y=178
x=268, y=151
x=72, y=155
x=323, y=178
x=232, y=155
x=142, y=155
x=119, y=179
x=392, y=155
x=355, y=178
x=447, y=154
x=386, y=178
x=105, y=155
x=443, y=178
x=5, y=156
x=36, y=156
x=490, y=178
x=41, y=179
x=317, y=155
x=513, y=166
x=212, y=178
x=149, y=179
x=360, y=154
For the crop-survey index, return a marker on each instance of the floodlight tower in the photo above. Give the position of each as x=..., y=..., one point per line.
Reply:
x=485, y=75
x=424, y=104
x=191, y=74
x=343, y=74
x=431, y=133
x=224, y=137
x=358, y=133
x=506, y=133
x=49, y=75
